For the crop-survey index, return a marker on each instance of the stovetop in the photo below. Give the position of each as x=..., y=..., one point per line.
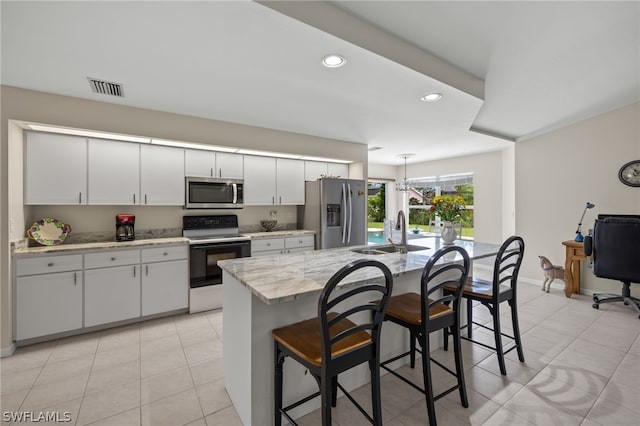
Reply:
x=211, y=229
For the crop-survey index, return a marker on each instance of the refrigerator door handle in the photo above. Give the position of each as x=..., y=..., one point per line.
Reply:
x=350, y=213
x=344, y=208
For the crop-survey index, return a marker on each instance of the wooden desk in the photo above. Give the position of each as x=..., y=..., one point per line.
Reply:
x=573, y=255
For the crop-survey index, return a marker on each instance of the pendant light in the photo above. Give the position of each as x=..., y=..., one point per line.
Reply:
x=404, y=185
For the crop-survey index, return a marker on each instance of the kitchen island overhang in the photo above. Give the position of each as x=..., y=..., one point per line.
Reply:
x=264, y=293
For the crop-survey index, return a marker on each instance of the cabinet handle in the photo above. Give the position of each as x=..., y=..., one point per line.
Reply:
x=113, y=258
x=50, y=264
x=280, y=200
x=146, y=270
x=145, y=198
x=75, y=278
x=79, y=197
x=134, y=198
x=220, y=172
x=165, y=254
x=211, y=172
x=134, y=272
x=273, y=200
x=268, y=245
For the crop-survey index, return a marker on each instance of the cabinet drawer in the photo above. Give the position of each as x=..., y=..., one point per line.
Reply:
x=111, y=258
x=299, y=241
x=263, y=244
x=48, y=264
x=160, y=254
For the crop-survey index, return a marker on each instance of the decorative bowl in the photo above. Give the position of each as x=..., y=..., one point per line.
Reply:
x=49, y=231
x=416, y=230
x=268, y=224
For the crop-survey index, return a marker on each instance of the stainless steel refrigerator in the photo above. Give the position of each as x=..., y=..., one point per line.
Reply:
x=336, y=209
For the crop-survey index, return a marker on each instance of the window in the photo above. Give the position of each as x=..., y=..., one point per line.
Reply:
x=424, y=189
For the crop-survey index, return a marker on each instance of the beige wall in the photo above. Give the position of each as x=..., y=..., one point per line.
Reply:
x=557, y=173
x=26, y=105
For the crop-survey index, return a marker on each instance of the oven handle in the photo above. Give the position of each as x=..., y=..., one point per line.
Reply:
x=221, y=244
x=235, y=193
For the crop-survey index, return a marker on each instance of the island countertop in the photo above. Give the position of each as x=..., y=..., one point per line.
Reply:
x=281, y=278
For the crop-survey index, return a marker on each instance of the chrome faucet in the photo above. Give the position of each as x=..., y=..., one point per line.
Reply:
x=401, y=225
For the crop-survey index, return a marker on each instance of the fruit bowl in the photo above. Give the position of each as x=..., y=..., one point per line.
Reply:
x=268, y=224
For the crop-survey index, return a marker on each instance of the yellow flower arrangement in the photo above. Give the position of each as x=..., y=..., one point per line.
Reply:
x=448, y=207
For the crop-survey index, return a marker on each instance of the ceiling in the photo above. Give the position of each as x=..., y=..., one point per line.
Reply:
x=507, y=70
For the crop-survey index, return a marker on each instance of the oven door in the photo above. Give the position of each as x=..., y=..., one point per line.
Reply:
x=203, y=261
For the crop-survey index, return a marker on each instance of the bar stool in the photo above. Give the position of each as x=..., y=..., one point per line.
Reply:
x=345, y=334
x=423, y=315
x=502, y=288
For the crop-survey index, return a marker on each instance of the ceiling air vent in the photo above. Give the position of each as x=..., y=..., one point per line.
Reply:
x=105, y=87
x=374, y=148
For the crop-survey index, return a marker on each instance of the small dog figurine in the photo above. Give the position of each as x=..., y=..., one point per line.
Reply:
x=551, y=272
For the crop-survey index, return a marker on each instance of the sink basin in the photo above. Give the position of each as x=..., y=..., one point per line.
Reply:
x=386, y=249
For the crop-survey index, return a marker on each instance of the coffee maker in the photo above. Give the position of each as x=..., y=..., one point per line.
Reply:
x=124, y=227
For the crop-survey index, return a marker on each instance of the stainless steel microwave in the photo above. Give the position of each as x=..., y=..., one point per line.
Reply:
x=213, y=193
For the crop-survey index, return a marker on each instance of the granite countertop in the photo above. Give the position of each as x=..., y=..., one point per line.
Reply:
x=62, y=248
x=277, y=233
x=281, y=278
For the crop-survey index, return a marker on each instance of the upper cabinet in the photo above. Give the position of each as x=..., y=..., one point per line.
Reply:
x=199, y=163
x=314, y=170
x=338, y=169
x=230, y=165
x=273, y=181
x=213, y=164
x=114, y=172
x=55, y=169
x=289, y=181
x=161, y=175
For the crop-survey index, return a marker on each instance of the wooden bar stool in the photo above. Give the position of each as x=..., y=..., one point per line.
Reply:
x=345, y=334
x=427, y=312
x=502, y=288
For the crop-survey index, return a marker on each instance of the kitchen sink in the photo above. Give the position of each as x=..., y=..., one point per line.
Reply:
x=386, y=249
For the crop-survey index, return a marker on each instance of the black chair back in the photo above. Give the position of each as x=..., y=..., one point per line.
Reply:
x=507, y=264
x=616, y=248
x=365, y=316
x=434, y=278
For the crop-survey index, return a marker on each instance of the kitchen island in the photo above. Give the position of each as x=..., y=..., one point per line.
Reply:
x=264, y=293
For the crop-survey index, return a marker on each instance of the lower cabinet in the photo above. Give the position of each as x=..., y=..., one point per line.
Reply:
x=48, y=304
x=111, y=294
x=165, y=286
x=62, y=293
x=282, y=245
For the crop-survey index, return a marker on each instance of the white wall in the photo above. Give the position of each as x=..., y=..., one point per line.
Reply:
x=557, y=173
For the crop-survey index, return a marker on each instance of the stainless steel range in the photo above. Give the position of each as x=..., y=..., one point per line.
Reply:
x=211, y=239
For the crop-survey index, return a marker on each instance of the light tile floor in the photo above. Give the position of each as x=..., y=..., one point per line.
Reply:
x=582, y=368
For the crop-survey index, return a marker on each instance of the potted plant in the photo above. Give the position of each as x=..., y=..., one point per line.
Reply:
x=449, y=208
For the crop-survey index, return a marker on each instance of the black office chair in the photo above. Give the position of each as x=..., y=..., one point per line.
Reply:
x=345, y=334
x=615, y=248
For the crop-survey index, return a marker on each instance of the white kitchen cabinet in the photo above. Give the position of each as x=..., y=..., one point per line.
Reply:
x=111, y=286
x=48, y=304
x=165, y=279
x=230, y=165
x=259, y=180
x=273, y=181
x=161, y=175
x=282, y=245
x=111, y=294
x=289, y=181
x=55, y=169
x=113, y=173
x=314, y=170
x=198, y=162
x=338, y=169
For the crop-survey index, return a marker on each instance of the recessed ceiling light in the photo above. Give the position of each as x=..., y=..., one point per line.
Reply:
x=333, y=61
x=431, y=97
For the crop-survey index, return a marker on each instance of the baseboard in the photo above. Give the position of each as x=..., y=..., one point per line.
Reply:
x=8, y=351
